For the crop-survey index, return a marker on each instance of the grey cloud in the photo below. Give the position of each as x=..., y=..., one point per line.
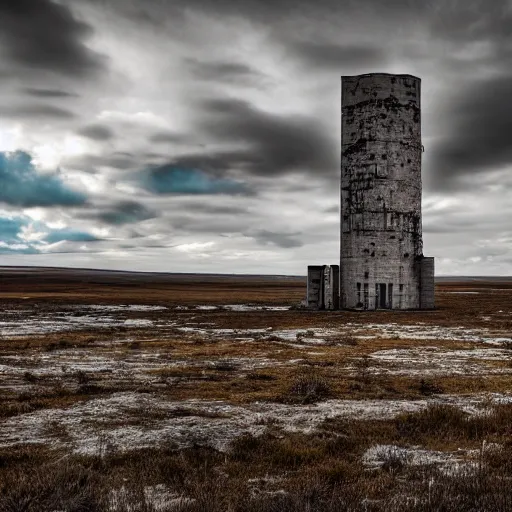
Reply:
x=96, y=132
x=124, y=212
x=155, y=156
x=89, y=162
x=284, y=240
x=336, y=57
x=48, y=93
x=154, y=15
x=214, y=209
x=282, y=10
x=167, y=136
x=36, y=111
x=277, y=144
x=45, y=35
x=208, y=225
x=214, y=163
x=480, y=120
x=224, y=71
x=464, y=220
x=124, y=153
x=471, y=20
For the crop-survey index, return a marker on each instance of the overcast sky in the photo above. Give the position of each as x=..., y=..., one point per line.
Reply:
x=204, y=135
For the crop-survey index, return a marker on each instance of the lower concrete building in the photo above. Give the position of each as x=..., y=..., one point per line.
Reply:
x=323, y=287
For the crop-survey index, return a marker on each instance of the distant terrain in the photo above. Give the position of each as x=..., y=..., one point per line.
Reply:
x=120, y=274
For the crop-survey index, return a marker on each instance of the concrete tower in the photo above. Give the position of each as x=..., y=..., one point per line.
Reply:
x=381, y=262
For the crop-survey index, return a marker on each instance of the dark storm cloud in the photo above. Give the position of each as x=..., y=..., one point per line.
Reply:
x=471, y=20
x=123, y=212
x=278, y=144
x=282, y=10
x=223, y=71
x=48, y=93
x=286, y=241
x=480, y=120
x=21, y=185
x=331, y=56
x=272, y=145
x=45, y=35
x=214, y=163
x=36, y=111
x=96, y=132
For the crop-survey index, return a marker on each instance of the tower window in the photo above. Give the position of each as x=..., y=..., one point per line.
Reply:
x=366, y=275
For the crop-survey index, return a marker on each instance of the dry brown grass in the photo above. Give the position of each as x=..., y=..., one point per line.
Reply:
x=279, y=471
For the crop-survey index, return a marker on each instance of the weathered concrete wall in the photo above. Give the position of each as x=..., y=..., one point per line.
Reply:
x=381, y=237
x=314, y=297
x=331, y=286
x=427, y=283
x=323, y=287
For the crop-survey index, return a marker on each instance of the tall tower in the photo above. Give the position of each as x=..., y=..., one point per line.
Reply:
x=381, y=262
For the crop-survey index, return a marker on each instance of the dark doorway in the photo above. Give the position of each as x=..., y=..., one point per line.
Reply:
x=382, y=296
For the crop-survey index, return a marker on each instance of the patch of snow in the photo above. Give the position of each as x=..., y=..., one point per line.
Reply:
x=462, y=293
x=426, y=332
x=137, y=322
x=220, y=332
x=120, y=307
x=380, y=454
x=33, y=322
x=92, y=425
x=436, y=361
x=252, y=307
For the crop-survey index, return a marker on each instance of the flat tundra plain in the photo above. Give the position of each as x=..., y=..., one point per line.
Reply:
x=122, y=391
